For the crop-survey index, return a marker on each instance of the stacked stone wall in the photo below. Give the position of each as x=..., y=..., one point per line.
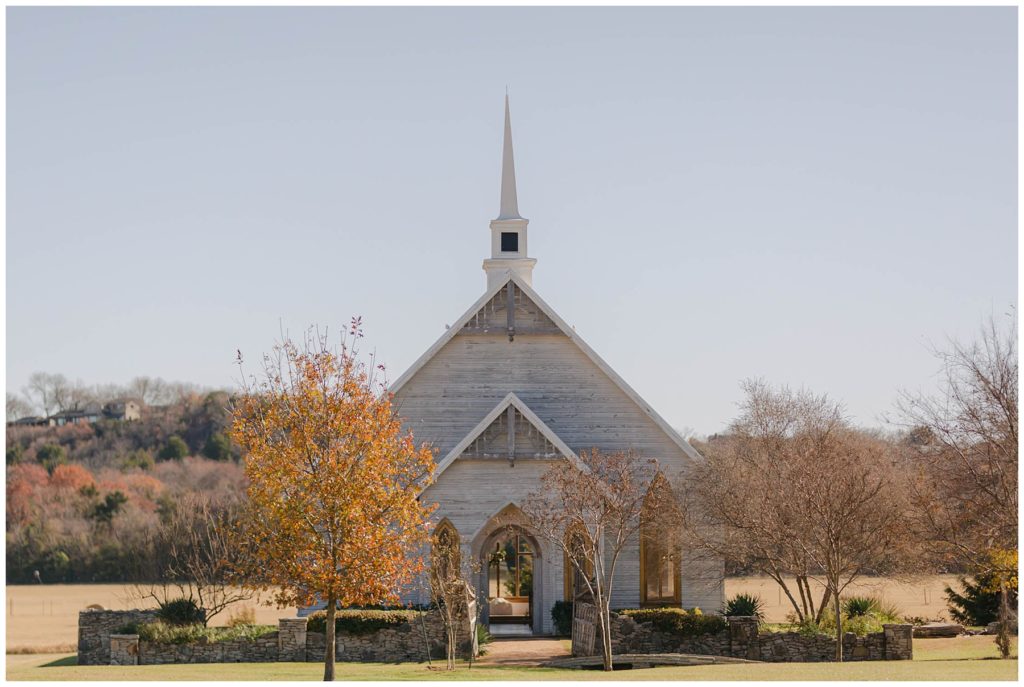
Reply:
x=260, y=650
x=100, y=645
x=407, y=642
x=742, y=640
x=95, y=629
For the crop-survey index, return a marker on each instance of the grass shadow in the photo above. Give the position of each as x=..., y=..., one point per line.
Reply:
x=62, y=662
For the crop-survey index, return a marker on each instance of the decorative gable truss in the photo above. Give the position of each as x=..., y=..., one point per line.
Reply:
x=509, y=432
x=510, y=311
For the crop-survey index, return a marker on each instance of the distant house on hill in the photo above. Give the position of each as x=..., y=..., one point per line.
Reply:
x=89, y=413
x=31, y=421
x=123, y=410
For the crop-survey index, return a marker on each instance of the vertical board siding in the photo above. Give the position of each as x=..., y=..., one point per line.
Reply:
x=472, y=373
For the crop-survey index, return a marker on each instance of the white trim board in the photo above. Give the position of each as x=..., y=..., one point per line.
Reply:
x=570, y=333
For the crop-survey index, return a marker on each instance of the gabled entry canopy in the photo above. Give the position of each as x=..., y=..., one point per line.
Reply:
x=509, y=431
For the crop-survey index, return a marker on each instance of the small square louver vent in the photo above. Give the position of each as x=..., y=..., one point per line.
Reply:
x=509, y=242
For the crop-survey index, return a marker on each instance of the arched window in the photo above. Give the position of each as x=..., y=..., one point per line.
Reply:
x=659, y=550
x=445, y=553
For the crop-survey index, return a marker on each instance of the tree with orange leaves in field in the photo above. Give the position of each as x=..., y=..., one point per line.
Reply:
x=332, y=504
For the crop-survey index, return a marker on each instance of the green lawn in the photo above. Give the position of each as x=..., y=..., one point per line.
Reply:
x=967, y=658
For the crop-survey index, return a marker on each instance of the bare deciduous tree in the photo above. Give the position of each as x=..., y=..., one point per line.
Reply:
x=198, y=545
x=451, y=591
x=591, y=510
x=794, y=490
x=48, y=392
x=17, y=407
x=964, y=449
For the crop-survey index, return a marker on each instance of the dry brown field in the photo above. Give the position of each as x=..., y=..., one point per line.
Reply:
x=921, y=596
x=45, y=617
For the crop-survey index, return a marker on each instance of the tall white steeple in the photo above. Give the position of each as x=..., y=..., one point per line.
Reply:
x=508, y=231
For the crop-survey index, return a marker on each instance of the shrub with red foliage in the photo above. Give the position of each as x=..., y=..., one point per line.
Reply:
x=71, y=478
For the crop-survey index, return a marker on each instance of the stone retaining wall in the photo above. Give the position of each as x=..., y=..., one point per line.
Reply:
x=95, y=629
x=100, y=645
x=409, y=642
x=260, y=650
x=742, y=640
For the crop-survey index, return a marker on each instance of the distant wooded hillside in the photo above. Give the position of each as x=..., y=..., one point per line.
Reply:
x=85, y=500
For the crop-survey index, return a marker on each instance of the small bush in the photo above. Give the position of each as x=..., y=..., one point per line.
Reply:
x=483, y=637
x=744, y=605
x=861, y=616
x=176, y=449
x=181, y=612
x=561, y=616
x=856, y=606
x=217, y=447
x=678, y=622
x=51, y=455
x=129, y=629
x=140, y=458
x=358, y=621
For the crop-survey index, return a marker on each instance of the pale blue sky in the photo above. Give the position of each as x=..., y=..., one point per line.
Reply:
x=806, y=195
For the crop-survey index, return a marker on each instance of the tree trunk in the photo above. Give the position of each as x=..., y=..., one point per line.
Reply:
x=426, y=641
x=452, y=632
x=1003, y=633
x=839, y=629
x=329, y=639
x=826, y=595
x=603, y=620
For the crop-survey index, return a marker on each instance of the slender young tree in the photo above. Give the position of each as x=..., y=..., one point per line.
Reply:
x=196, y=546
x=333, y=509
x=452, y=591
x=592, y=510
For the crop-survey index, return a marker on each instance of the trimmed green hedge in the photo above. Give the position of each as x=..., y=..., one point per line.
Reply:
x=677, y=621
x=561, y=616
x=359, y=621
x=163, y=633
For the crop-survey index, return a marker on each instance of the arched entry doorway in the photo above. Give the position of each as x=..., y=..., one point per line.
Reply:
x=511, y=572
x=510, y=579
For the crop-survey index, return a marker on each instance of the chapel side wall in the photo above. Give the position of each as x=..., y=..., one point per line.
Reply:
x=702, y=582
x=626, y=585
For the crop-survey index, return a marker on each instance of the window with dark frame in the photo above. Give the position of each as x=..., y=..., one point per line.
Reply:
x=510, y=242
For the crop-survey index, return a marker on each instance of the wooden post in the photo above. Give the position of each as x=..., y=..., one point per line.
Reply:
x=511, y=427
x=510, y=309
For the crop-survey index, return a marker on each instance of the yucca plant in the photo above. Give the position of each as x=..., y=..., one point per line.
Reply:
x=857, y=606
x=745, y=605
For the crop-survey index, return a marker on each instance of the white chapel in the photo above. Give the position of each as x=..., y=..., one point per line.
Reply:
x=509, y=388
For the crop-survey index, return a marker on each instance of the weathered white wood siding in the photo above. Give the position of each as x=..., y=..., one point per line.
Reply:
x=473, y=372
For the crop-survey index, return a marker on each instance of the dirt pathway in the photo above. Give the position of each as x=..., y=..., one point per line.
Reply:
x=531, y=651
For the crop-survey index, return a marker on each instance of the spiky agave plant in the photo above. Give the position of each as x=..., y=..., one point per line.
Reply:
x=744, y=604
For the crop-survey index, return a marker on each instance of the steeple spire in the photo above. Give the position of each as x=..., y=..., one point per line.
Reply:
x=508, y=231
x=509, y=201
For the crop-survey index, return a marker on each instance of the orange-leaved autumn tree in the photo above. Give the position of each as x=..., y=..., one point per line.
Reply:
x=332, y=504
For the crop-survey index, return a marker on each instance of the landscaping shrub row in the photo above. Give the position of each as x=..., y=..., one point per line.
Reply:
x=678, y=621
x=164, y=633
x=360, y=621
